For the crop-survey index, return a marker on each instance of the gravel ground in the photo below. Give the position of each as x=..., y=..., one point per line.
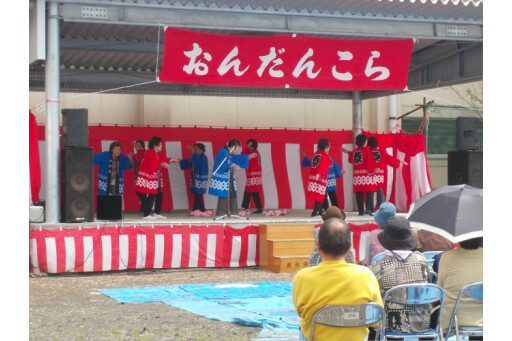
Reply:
x=70, y=307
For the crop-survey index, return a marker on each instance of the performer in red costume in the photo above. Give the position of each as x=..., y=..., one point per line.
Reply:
x=363, y=179
x=382, y=160
x=253, y=185
x=34, y=161
x=140, y=147
x=317, y=182
x=149, y=179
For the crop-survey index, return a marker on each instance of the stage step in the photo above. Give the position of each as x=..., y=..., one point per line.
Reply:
x=285, y=247
x=290, y=247
x=289, y=230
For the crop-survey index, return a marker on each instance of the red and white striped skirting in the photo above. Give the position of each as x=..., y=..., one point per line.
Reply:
x=116, y=248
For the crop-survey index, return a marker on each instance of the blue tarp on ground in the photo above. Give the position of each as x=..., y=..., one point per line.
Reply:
x=261, y=304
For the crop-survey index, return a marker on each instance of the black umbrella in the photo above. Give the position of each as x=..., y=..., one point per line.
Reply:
x=454, y=212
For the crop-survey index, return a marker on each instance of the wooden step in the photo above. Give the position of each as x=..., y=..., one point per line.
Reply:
x=285, y=247
x=289, y=247
x=287, y=264
x=287, y=230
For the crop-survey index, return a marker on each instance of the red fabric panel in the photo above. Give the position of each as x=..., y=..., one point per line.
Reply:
x=282, y=181
x=42, y=261
x=150, y=248
x=61, y=253
x=133, y=235
x=79, y=251
x=97, y=249
x=115, y=248
x=186, y=154
x=34, y=160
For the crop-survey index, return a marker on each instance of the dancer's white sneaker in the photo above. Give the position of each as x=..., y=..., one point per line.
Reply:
x=158, y=216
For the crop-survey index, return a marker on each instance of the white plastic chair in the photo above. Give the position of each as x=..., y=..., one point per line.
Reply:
x=474, y=291
x=350, y=316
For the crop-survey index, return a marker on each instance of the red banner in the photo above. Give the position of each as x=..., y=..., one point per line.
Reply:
x=285, y=61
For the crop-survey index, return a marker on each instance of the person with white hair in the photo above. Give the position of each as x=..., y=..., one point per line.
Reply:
x=333, y=281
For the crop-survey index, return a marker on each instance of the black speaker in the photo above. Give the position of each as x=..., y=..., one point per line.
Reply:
x=465, y=167
x=466, y=133
x=109, y=207
x=75, y=129
x=76, y=200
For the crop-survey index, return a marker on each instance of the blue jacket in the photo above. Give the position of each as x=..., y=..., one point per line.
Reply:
x=103, y=159
x=199, y=174
x=220, y=180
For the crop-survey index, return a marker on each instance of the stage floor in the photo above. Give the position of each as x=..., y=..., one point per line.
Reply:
x=184, y=217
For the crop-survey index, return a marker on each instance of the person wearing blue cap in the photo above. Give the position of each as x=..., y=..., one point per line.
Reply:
x=386, y=211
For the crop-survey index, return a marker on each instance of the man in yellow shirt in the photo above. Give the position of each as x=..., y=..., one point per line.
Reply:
x=333, y=281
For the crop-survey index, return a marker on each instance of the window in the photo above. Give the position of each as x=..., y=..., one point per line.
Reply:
x=441, y=133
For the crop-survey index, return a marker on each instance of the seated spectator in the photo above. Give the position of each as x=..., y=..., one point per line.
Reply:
x=331, y=212
x=333, y=281
x=426, y=240
x=430, y=241
x=457, y=268
x=401, y=265
x=386, y=211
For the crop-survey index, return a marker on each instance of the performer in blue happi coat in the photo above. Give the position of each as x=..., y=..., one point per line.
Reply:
x=333, y=173
x=112, y=166
x=198, y=164
x=226, y=162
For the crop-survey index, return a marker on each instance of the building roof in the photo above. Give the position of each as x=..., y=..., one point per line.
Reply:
x=117, y=45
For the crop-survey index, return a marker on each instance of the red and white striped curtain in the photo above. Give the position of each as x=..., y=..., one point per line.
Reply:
x=284, y=181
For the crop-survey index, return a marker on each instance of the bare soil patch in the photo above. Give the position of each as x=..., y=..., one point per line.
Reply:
x=70, y=307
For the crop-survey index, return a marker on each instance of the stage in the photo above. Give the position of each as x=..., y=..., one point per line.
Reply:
x=179, y=241
x=184, y=217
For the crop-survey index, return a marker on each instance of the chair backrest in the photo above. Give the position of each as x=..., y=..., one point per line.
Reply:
x=473, y=290
x=414, y=293
x=350, y=316
x=414, y=297
x=429, y=255
x=378, y=256
x=433, y=277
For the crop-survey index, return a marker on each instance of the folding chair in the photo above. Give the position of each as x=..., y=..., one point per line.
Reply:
x=350, y=316
x=474, y=291
x=429, y=255
x=412, y=297
x=433, y=277
x=378, y=256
